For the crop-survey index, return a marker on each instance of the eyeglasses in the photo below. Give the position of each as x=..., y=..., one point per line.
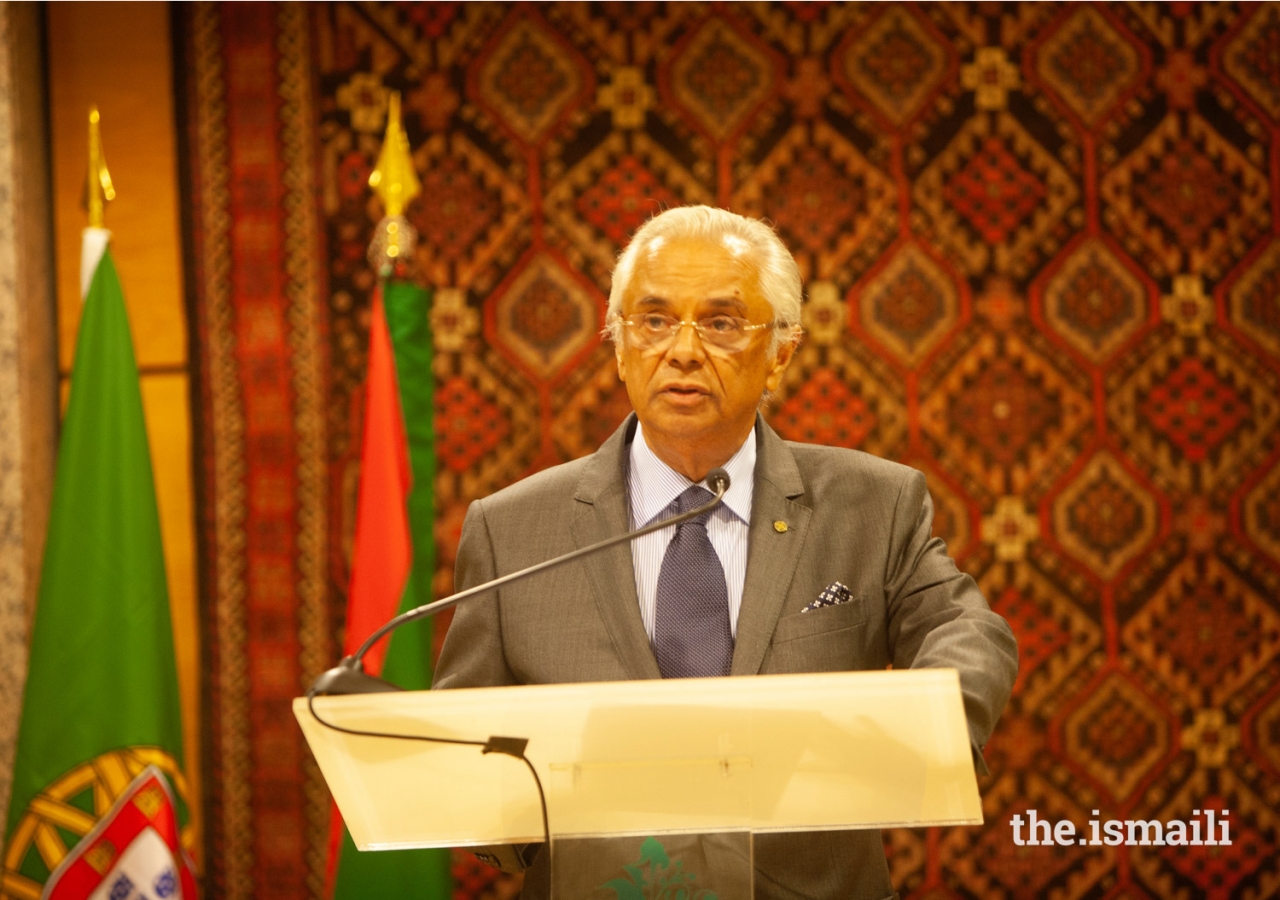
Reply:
x=653, y=330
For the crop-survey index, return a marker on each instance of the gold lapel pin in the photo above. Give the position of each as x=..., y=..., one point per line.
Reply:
x=780, y=526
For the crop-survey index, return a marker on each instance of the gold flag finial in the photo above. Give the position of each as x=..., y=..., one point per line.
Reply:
x=395, y=181
x=99, y=189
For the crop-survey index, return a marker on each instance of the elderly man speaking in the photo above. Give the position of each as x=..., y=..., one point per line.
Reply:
x=819, y=559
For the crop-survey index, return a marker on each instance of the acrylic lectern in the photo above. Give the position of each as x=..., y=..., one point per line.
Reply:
x=651, y=780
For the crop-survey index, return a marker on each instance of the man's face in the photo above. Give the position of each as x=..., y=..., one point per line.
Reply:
x=690, y=396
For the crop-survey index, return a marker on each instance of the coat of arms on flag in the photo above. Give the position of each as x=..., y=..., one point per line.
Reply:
x=100, y=810
x=133, y=853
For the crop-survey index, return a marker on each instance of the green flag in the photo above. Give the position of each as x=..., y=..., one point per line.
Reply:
x=100, y=740
x=406, y=390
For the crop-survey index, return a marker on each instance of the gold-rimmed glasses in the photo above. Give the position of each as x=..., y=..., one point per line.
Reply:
x=654, y=330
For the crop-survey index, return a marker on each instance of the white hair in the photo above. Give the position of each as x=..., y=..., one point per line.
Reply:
x=779, y=274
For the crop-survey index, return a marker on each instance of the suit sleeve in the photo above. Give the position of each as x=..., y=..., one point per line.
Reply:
x=938, y=618
x=472, y=655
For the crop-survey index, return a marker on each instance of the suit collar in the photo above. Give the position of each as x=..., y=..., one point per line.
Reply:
x=606, y=469
x=780, y=519
x=602, y=512
x=775, y=464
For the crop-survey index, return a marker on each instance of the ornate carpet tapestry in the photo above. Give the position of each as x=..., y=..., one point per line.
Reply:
x=1041, y=246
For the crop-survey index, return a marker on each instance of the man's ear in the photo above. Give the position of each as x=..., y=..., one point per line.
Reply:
x=622, y=366
x=779, y=367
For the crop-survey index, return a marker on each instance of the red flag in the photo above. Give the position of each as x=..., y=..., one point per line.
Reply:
x=383, y=551
x=394, y=559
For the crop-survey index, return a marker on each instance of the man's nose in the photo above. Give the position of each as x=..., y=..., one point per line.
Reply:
x=686, y=346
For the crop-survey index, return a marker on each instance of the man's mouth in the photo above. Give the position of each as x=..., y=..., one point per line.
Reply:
x=685, y=395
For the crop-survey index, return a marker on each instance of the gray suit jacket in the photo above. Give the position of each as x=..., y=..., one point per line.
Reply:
x=851, y=517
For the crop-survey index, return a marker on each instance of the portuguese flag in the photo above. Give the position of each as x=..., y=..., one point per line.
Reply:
x=394, y=556
x=97, y=806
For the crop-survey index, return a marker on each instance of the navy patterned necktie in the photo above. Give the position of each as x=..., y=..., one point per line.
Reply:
x=691, y=635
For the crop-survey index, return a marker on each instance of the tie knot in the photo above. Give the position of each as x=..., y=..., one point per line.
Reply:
x=692, y=498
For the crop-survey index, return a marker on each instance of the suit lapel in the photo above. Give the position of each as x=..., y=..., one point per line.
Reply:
x=772, y=556
x=602, y=512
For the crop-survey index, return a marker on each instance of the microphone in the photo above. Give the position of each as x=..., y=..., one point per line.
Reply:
x=718, y=480
x=349, y=676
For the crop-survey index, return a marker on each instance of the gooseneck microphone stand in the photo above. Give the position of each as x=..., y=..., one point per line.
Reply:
x=349, y=676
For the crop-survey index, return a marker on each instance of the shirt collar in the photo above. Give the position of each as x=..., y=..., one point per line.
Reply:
x=654, y=485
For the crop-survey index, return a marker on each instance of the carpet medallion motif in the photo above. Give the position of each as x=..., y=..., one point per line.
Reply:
x=896, y=63
x=1187, y=200
x=1250, y=59
x=719, y=77
x=996, y=198
x=1255, y=300
x=1104, y=517
x=1197, y=414
x=1055, y=636
x=1041, y=246
x=831, y=206
x=1087, y=63
x=1095, y=300
x=910, y=304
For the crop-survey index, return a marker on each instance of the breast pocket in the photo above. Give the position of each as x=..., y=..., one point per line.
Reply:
x=820, y=621
x=830, y=639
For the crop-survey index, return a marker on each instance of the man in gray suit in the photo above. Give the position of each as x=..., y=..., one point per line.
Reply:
x=819, y=559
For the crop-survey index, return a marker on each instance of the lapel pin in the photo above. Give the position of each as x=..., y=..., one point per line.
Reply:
x=780, y=526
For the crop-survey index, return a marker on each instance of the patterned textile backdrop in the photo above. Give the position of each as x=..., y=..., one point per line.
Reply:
x=1043, y=265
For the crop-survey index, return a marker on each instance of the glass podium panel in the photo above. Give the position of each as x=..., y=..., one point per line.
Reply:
x=715, y=866
x=650, y=758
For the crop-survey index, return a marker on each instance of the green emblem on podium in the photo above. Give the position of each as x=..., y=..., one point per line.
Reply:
x=654, y=877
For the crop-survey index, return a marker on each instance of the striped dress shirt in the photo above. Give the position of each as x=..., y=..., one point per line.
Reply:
x=652, y=489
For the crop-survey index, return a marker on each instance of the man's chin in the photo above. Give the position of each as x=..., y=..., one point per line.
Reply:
x=681, y=420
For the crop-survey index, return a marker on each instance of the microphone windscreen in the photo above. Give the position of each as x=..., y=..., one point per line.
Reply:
x=718, y=480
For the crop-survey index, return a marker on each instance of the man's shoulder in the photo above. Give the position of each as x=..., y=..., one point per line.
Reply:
x=820, y=465
x=541, y=490
x=836, y=478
